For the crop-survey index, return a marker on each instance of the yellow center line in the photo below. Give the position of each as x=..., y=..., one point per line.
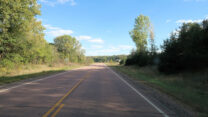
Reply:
x=57, y=111
x=69, y=92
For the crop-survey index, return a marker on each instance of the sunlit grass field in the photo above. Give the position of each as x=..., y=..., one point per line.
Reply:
x=32, y=71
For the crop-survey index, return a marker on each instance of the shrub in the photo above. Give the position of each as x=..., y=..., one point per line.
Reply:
x=142, y=59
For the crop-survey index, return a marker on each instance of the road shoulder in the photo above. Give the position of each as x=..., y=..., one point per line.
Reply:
x=164, y=101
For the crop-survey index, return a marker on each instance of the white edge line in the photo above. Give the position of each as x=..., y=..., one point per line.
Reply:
x=27, y=83
x=139, y=93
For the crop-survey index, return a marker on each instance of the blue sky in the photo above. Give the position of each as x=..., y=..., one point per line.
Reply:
x=102, y=26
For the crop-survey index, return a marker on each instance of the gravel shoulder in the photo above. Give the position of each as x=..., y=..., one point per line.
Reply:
x=164, y=101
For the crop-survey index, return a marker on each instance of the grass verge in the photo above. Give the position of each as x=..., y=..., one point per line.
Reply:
x=189, y=88
x=34, y=71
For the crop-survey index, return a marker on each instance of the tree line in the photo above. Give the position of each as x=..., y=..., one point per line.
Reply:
x=22, y=38
x=185, y=50
x=105, y=59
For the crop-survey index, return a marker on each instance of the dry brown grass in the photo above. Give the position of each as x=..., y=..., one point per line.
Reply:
x=31, y=68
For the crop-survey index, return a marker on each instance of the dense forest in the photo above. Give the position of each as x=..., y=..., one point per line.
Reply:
x=185, y=50
x=22, y=38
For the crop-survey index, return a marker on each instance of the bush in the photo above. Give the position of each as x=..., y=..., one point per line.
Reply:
x=5, y=63
x=122, y=62
x=142, y=59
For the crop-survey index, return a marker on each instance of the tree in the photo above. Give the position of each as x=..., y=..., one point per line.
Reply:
x=153, y=47
x=15, y=19
x=139, y=34
x=21, y=35
x=69, y=48
x=114, y=58
x=140, y=31
x=187, y=50
x=22, y=38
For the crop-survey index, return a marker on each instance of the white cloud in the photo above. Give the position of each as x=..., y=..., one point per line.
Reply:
x=188, y=21
x=56, y=31
x=50, y=3
x=90, y=39
x=96, y=40
x=53, y=32
x=110, y=50
x=117, y=48
x=51, y=27
x=39, y=19
x=55, y=2
x=96, y=46
x=84, y=37
x=72, y=2
x=124, y=47
x=195, y=0
x=60, y=32
x=168, y=21
x=181, y=21
x=105, y=51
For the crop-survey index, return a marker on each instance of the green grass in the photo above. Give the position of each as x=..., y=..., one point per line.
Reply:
x=34, y=71
x=189, y=88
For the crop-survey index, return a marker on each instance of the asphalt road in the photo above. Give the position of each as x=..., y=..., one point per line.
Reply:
x=92, y=91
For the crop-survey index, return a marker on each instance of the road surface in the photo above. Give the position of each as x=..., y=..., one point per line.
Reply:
x=92, y=91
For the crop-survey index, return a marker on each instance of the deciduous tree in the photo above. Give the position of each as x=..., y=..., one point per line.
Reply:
x=140, y=32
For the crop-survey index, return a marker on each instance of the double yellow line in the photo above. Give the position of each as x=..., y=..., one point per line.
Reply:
x=61, y=100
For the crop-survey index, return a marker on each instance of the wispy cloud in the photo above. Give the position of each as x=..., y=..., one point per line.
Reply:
x=188, y=21
x=96, y=40
x=90, y=39
x=39, y=19
x=109, y=50
x=60, y=32
x=168, y=21
x=55, y=2
x=191, y=20
x=96, y=46
x=195, y=0
x=84, y=37
x=72, y=2
x=56, y=31
x=125, y=47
